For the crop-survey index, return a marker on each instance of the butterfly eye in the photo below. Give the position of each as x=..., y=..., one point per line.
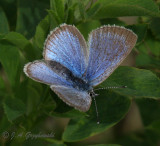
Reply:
x=90, y=93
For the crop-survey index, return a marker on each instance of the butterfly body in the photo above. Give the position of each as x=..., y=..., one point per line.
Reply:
x=72, y=68
x=65, y=73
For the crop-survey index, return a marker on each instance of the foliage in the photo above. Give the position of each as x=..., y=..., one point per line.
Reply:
x=25, y=105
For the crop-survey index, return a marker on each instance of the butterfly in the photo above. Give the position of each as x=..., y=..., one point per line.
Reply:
x=72, y=67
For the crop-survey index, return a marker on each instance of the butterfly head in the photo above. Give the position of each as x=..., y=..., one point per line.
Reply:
x=92, y=93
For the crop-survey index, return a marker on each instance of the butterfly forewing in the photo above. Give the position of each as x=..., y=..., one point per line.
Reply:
x=108, y=47
x=39, y=71
x=67, y=46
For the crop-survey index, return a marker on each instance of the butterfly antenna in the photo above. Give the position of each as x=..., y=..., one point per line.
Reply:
x=96, y=109
x=114, y=87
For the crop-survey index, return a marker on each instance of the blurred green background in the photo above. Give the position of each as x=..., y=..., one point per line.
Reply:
x=28, y=109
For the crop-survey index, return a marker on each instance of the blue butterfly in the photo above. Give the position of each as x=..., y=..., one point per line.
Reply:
x=73, y=67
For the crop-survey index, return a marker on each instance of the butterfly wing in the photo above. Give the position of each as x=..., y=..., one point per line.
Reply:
x=108, y=47
x=57, y=78
x=40, y=72
x=67, y=46
x=78, y=99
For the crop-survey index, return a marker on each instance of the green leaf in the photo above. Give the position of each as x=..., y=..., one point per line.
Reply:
x=10, y=59
x=143, y=60
x=2, y=85
x=21, y=42
x=147, y=61
x=142, y=138
x=57, y=145
x=112, y=21
x=139, y=82
x=93, y=10
x=71, y=8
x=41, y=33
x=140, y=30
x=27, y=90
x=54, y=19
x=70, y=16
x=22, y=92
x=149, y=110
x=33, y=89
x=48, y=106
x=4, y=27
x=4, y=123
x=112, y=105
x=149, y=54
x=32, y=142
x=154, y=26
x=82, y=9
x=17, y=39
x=32, y=102
x=58, y=7
x=86, y=27
x=119, y=8
x=155, y=125
x=105, y=145
x=29, y=14
x=153, y=47
x=54, y=142
x=10, y=9
x=13, y=108
x=69, y=114
x=2, y=36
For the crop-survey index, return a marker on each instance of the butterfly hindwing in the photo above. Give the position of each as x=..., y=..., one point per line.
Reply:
x=108, y=47
x=78, y=99
x=41, y=72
